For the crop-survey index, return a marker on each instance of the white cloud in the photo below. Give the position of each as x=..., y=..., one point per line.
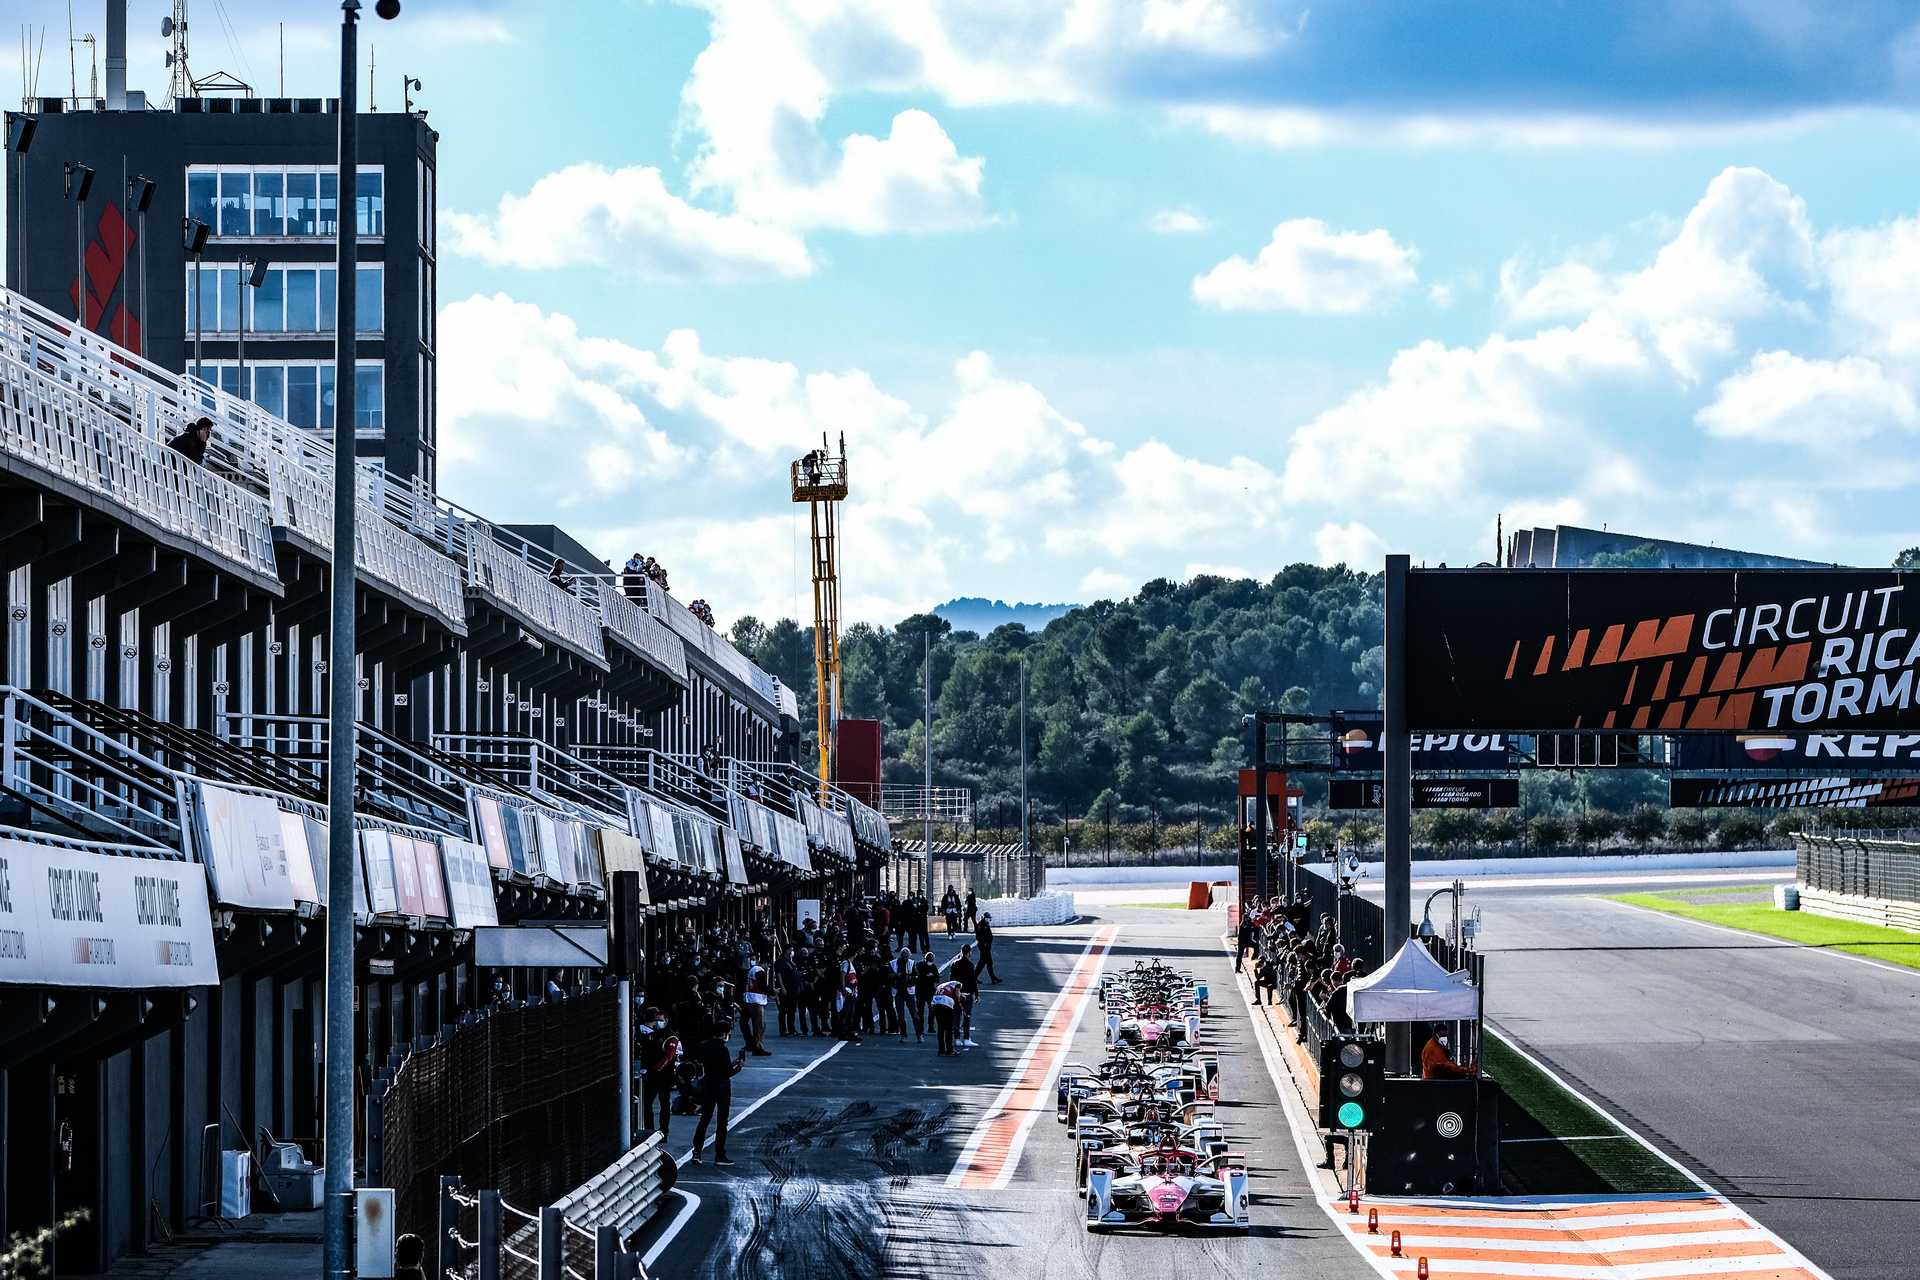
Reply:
x=1875, y=276
x=1440, y=295
x=1105, y=584
x=1289, y=128
x=1565, y=290
x=1178, y=221
x=1198, y=570
x=625, y=220
x=1310, y=268
x=1353, y=544
x=1784, y=398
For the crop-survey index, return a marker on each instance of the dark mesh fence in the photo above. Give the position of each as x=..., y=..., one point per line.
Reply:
x=524, y=1100
x=1866, y=866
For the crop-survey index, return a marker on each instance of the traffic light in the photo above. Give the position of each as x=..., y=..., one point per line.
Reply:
x=1351, y=1072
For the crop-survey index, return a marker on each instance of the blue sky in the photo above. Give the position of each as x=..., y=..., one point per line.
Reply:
x=1109, y=290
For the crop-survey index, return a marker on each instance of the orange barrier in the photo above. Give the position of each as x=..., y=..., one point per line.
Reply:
x=1199, y=895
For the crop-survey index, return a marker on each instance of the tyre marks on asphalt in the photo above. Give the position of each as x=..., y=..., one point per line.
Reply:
x=832, y=1192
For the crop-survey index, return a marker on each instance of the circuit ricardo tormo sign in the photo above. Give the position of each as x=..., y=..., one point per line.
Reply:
x=1662, y=650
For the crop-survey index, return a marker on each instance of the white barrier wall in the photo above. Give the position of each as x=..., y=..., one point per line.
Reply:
x=1048, y=908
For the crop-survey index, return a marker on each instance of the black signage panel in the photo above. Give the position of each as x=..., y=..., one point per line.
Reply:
x=1663, y=650
x=1829, y=752
x=1792, y=793
x=1356, y=747
x=1428, y=793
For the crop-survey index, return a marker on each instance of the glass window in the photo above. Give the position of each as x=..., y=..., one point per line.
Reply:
x=270, y=388
x=269, y=303
x=303, y=385
x=303, y=196
x=367, y=301
x=228, y=309
x=327, y=303
x=432, y=213
x=302, y=300
x=235, y=203
x=229, y=379
x=426, y=303
x=203, y=197
x=269, y=202
x=369, y=397
x=329, y=216
x=325, y=373
x=370, y=203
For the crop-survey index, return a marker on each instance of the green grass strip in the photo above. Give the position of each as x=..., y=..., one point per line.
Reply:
x=1538, y=1113
x=1897, y=946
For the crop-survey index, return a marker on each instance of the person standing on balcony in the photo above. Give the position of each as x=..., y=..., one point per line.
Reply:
x=633, y=579
x=558, y=576
x=192, y=443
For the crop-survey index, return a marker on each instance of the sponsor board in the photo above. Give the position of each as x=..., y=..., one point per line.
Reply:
x=241, y=842
x=1661, y=651
x=469, y=883
x=75, y=918
x=1832, y=752
x=1428, y=793
x=622, y=852
x=1792, y=793
x=1357, y=746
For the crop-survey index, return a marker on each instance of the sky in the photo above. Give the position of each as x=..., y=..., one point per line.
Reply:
x=1106, y=290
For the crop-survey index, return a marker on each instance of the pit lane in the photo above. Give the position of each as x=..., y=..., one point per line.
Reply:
x=845, y=1172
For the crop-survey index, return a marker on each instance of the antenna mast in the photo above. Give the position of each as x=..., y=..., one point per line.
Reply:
x=179, y=78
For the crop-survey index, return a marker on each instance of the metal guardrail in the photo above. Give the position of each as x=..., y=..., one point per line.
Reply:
x=718, y=649
x=546, y=771
x=910, y=802
x=640, y=630
x=302, y=500
x=76, y=434
x=56, y=761
x=495, y=571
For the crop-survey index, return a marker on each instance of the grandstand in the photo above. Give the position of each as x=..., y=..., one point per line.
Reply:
x=162, y=815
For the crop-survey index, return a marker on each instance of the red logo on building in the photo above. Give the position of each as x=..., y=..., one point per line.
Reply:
x=106, y=275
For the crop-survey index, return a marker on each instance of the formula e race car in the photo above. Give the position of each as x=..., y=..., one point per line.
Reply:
x=1127, y=1076
x=1152, y=1024
x=1169, y=1187
x=1116, y=1145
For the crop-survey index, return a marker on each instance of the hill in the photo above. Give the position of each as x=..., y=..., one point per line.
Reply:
x=981, y=615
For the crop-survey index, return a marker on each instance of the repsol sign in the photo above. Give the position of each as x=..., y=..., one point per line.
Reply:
x=1663, y=650
x=1357, y=746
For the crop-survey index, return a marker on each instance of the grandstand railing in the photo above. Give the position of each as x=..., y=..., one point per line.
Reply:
x=402, y=778
x=632, y=624
x=90, y=779
x=58, y=419
x=303, y=501
x=911, y=802
x=543, y=770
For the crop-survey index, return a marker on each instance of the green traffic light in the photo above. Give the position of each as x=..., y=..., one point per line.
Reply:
x=1351, y=1115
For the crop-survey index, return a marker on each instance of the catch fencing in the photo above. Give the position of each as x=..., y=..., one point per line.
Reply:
x=522, y=1099
x=990, y=870
x=1860, y=865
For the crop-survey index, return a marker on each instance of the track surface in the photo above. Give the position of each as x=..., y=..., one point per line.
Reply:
x=1786, y=1078
x=844, y=1173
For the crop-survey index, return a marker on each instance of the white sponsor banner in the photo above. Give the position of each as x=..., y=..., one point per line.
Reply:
x=469, y=883
x=307, y=876
x=736, y=862
x=666, y=839
x=245, y=853
x=621, y=852
x=73, y=918
x=376, y=852
x=804, y=910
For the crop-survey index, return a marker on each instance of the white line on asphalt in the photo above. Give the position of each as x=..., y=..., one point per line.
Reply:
x=690, y=1203
x=1885, y=966
x=734, y=1121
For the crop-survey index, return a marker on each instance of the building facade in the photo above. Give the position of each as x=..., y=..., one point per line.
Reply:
x=260, y=173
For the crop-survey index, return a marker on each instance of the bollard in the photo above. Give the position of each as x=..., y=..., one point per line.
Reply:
x=489, y=1235
x=1373, y=1222
x=606, y=1253
x=1394, y=1244
x=448, y=1254
x=553, y=1242
x=1353, y=1200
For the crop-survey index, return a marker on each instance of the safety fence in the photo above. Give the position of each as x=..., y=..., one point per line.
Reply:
x=1862, y=866
x=521, y=1099
x=990, y=870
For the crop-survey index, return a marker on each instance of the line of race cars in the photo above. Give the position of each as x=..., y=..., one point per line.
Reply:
x=1150, y=1150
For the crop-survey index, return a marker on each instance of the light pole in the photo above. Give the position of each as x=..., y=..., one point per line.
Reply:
x=1026, y=846
x=253, y=274
x=343, y=694
x=926, y=719
x=407, y=85
x=139, y=196
x=78, y=182
x=19, y=140
x=194, y=234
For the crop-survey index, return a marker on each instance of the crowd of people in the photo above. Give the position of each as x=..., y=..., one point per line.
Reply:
x=861, y=969
x=639, y=571
x=1291, y=953
x=701, y=610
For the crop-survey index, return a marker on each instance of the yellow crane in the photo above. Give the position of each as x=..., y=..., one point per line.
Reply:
x=820, y=481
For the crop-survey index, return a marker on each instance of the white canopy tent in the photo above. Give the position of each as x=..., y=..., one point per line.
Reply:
x=1412, y=987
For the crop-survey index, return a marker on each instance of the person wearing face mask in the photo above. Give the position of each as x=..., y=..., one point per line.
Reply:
x=1436, y=1061
x=660, y=1055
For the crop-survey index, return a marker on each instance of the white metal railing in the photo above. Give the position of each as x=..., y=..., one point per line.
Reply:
x=73, y=433
x=634, y=625
x=911, y=802
x=303, y=500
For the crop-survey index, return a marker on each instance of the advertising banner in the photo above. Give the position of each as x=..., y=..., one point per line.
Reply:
x=806, y=909
x=469, y=883
x=73, y=918
x=376, y=851
x=406, y=876
x=241, y=843
x=1792, y=793
x=622, y=852
x=736, y=861
x=1428, y=793
x=1829, y=752
x=665, y=838
x=433, y=882
x=1743, y=651
x=308, y=876
x=491, y=826
x=1357, y=749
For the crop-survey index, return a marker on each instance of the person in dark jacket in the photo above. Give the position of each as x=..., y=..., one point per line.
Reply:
x=926, y=976
x=983, y=935
x=971, y=911
x=192, y=443
x=660, y=1055
x=901, y=973
x=950, y=908
x=1245, y=941
x=717, y=1070
x=968, y=977
x=787, y=985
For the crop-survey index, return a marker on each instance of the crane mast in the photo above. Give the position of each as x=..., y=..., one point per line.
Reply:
x=820, y=480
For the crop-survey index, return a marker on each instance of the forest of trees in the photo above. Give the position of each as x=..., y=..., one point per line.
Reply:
x=1133, y=707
